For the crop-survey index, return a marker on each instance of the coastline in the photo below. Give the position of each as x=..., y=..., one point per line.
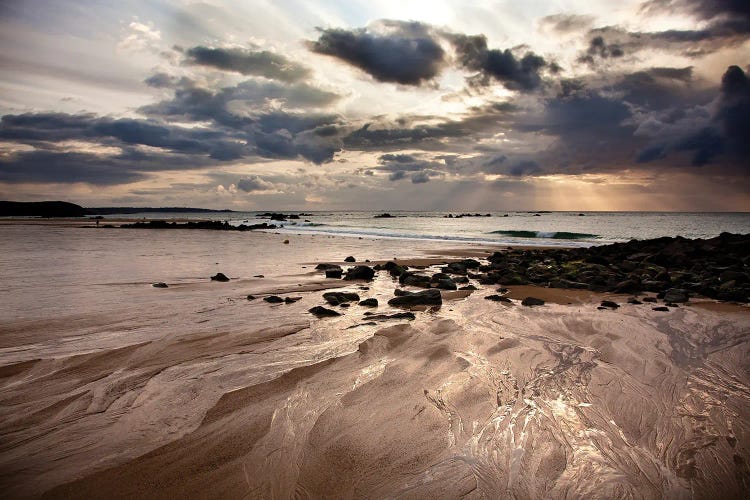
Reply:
x=195, y=388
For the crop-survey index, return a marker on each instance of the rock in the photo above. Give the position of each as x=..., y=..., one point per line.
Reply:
x=661, y=308
x=336, y=298
x=159, y=284
x=369, y=302
x=609, y=304
x=291, y=300
x=219, y=277
x=532, y=301
x=411, y=279
x=258, y=276
x=634, y=301
x=273, y=299
x=461, y=280
x=429, y=297
x=498, y=298
x=286, y=242
x=360, y=273
x=649, y=299
x=350, y=259
x=402, y=315
x=345, y=304
x=325, y=267
x=628, y=286
x=394, y=269
x=676, y=295
x=321, y=312
x=334, y=273
x=736, y=276
x=468, y=287
x=383, y=216
x=446, y=284
x=251, y=297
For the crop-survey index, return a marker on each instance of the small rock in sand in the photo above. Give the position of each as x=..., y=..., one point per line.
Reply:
x=608, y=304
x=273, y=299
x=661, y=308
x=159, y=284
x=372, y=302
x=350, y=259
x=219, y=277
x=291, y=300
x=532, y=301
x=321, y=312
x=251, y=297
x=498, y=298
x=336, y=298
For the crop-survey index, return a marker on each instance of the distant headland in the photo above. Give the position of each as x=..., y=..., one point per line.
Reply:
x=66, y=209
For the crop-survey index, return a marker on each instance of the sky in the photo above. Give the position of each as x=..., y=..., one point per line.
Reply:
x=377, y=105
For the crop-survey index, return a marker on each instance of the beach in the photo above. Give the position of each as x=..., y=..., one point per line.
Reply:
x=114, y=388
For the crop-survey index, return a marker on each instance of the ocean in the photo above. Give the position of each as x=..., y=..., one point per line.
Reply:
x=580, y=229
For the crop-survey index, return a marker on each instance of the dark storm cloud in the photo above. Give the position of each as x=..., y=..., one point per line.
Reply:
x=707, y=133
x=599, y=49
x=69, y=167
x=161, y=81
x=248, y=62
x=402, y=52
x=35, y=128
x=397, y=175
x=515, y=73
x=420, y=178
x=703, y=9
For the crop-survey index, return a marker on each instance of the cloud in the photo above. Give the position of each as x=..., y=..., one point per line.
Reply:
x=420, y=178
x=390, y=51
x=248, y=62
x=397, y=175
x=566, y=23
x=599, y=49
x=254, y=184
x=708, y=132
x=514, y=73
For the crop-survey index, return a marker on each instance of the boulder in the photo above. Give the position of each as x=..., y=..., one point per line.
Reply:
x=372, y=302
x=336, y=298
x=321, y=312
x=429, y=297
x=634, y=301
x=411, y=279
x=360, y=273
x=350, y=259
x=291, y=300
x=273, y=299
x=608, y=304
x=468, y=287
x=649, y=299
x=334, y=273
x=219, y=277
x=446, y=284
x=676, y=295
x=532, y=301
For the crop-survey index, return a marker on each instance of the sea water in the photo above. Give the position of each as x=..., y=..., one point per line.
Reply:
x=580, y=229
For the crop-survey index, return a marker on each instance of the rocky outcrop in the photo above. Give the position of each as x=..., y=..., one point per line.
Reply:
x=429, y=297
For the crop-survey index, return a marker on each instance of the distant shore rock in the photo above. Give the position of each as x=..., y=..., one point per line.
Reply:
x=204, y=224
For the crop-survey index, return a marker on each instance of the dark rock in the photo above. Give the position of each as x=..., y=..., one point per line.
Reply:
x=258, y=276
x=382, y=317
x=532, y=301
x=251, y=297
x=326, y=267
x=219, y=277
x=671, y=304
x=498, y=298
x=334, y=273
x=350, y=259
x=676, y=295
x=661, y=308
x=628, y=286
x=383, y=216
x=425, y=297
x=345, y=304
x=291, y=300
x=321, y=312
x=446, y=284
x=273, y=299
x=634, y=301
x=336, y=298
x=411, y=279
x=468, y=287
x=609, y=304
x=159, y=284
x=461, y=280
x=372, y=302
x=649, y=299
x=360, y=273
x=736, y=276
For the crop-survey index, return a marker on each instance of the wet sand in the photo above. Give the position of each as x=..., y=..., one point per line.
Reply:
x=243, y=399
